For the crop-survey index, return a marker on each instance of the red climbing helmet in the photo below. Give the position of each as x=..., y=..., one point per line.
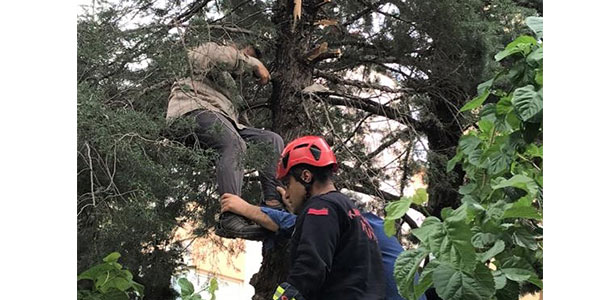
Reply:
x=310, y=150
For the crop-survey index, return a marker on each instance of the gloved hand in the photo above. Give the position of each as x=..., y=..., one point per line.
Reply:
x=286, y=291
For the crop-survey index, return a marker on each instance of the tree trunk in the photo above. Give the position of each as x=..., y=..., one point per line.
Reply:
x=290, y=74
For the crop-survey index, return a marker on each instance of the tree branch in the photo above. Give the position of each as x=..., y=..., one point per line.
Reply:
x=191, y=11
x=357, y=83
x=373, y=107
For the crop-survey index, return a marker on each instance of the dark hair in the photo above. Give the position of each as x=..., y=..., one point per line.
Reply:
x=320, y=174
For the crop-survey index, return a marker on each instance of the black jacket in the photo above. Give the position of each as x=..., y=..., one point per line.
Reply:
x=334, y=252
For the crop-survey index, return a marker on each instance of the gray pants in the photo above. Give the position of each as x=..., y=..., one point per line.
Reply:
x=219, y=133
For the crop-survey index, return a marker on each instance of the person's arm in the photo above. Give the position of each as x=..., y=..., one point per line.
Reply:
x=227, y=58
x=237, y=205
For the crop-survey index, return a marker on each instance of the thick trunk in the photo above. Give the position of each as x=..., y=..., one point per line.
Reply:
x=442, y=187
x=290, y=74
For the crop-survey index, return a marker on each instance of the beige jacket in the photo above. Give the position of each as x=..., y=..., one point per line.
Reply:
x=212, y=86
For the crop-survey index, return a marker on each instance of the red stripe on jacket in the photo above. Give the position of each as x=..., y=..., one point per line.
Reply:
x=318, y=212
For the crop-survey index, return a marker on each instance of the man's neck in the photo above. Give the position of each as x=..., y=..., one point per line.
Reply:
x=322, y=188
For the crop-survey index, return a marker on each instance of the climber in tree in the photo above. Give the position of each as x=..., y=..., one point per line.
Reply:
x=212, y=97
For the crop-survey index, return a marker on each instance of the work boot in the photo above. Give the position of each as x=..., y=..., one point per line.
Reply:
x=235, y=226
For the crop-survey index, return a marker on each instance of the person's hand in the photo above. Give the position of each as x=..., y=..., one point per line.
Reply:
x=262, y=73
x=234, y=204
x=284, y=197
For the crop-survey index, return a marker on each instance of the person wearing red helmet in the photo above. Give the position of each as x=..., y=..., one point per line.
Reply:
x=334, y=251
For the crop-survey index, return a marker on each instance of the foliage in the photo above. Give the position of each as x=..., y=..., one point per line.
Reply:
x=110, y=281
x=492, y=243
x=187, y=289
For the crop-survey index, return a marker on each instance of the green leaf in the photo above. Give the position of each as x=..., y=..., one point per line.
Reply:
x=475, y=102
x=519, y=181
x=405, y=267
x=426, y=278
x=485, y=86
x=520, y=45
x=498, y=163
x=452, y=163
x=509, y=292
x=468, y=143
x=430, y=234
x=138, y=288
x=527, y=102
x=196, y=297
x=504, y=106
x=525, y=239
x=483, y=239
x=187, y=288
x=453, y=284
x=516, y=274
x=95, y=271
x=397, y=209
x=118, y=283
x=456, y=247
x=535, y=56
x=492, y=252
x=537, y=25
x=389, y=227
x=539, y=77
x=467, y=188
x=499, y=279
x=420, y=196
x=529, y=212
x=113, y=257
x=534, y=151
x=212, y=288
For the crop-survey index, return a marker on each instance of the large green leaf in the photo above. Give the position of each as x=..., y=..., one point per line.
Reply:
x=498, y=163
x=420, y=196
x=537, y=25
x=521, y=45
x=497, y=248
x=187, y=288
x=527, y=101
x=456, y=247
x=430, y=234
x=521, y=275
x=95, y=271
x=535, y=56
x=453, y=284
x=394, y=211
x=529, y=212
x=426, y=278
x=397, y=209
x=499, y=279
x=468, y=143
x=524, y=238
x=519, y=181
x=405, y=269
x=476, y=102
x=452, y=162
x=483, y=239
x=113, y=257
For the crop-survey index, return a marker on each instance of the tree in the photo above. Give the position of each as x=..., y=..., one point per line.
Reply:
x=136, y=176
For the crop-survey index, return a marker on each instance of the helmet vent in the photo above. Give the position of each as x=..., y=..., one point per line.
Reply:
x=301, y=146
x=315, y=151
x=285, y=159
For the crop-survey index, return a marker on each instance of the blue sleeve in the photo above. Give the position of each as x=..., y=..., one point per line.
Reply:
x=283, y=219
